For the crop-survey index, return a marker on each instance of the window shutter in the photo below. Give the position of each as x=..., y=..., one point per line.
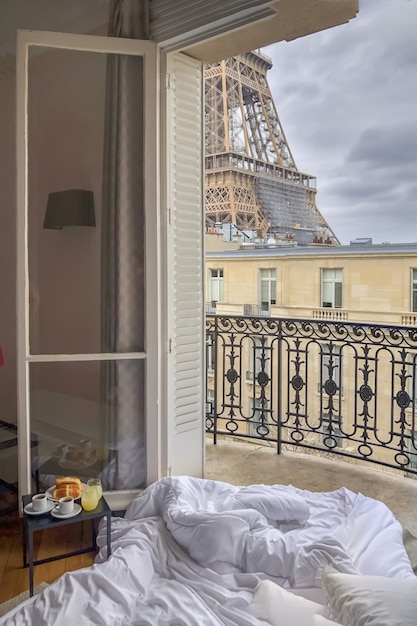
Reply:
x=185, y=306
x=338, y=289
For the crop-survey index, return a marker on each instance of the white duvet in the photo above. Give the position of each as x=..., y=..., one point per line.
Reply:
x=191, y=552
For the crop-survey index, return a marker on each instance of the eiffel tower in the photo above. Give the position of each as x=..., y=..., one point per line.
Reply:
x=251, y=179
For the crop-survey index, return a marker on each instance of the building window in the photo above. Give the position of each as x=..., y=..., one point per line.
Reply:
x=210, y=353
x=258, y=426
x=209, y=402
x=331, y=362
x=331, y=367
x=330, y=434
x=215, y=287
x=331, y=288
x=267, y=288
x=412, y=452
x=414, y=290
x=259, y=357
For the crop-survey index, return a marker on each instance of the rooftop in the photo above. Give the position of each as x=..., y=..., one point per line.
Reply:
x=262, y=250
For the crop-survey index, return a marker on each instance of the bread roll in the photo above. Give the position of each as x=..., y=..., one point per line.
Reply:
x=63, y=480
x=67, y=490
x=67, y=486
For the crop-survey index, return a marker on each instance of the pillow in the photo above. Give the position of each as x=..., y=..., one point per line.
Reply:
x=280, y=607
x=370, y=600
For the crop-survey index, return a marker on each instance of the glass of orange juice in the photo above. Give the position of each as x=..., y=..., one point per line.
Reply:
x=96, y=482
x=89, y=498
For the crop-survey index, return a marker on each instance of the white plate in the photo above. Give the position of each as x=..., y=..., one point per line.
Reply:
x=58, y=515
x=67, y=464
x=29, y=509
x=50, y=493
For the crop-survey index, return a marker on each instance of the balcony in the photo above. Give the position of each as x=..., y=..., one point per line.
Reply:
x=211, y=307
x=329, y=388
x=244, y=462
x=330, y=314
x=257, y=310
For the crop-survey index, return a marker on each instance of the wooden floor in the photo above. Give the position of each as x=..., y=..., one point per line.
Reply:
x=14, y=578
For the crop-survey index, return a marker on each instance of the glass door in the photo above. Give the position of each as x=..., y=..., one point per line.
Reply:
x=87, y=259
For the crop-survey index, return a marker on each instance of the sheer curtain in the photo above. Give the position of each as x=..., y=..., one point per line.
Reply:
x=123, y=256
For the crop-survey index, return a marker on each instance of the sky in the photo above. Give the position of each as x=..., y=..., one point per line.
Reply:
x=347, y=101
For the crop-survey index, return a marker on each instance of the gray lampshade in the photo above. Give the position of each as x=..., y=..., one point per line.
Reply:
x=72, y=207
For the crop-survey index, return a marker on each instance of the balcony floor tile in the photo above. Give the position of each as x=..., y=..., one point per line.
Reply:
x=242, y=463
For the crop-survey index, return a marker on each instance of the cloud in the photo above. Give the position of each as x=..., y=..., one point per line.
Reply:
x=382, y=147
x=347, y=100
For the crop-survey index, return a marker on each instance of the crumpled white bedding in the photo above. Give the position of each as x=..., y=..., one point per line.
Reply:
x=280, y=531
x=191, y=552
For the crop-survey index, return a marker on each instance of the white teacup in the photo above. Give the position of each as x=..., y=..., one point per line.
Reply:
x=65, y=505
x=39, y=502
x=87, y=445
x=62, y=449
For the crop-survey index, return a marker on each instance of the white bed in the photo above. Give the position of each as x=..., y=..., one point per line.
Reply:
x=193, y=552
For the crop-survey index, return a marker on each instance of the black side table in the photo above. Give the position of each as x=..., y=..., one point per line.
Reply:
x=33, y=523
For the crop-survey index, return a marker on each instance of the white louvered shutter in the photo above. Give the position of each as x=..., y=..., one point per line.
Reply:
x=185, y=375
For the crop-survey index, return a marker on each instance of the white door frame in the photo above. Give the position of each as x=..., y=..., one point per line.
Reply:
x=149, y=52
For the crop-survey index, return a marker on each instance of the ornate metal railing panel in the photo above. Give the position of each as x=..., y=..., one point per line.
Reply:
x=331, y=386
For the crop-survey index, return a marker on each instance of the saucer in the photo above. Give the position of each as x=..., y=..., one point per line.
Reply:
x=29, y=509
x=58, y=515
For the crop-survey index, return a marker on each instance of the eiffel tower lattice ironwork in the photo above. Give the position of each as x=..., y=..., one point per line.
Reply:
x=251, y=179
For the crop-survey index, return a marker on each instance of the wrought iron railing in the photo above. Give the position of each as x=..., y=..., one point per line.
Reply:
x=257, y=310
x=211, y=307
x=334, y=387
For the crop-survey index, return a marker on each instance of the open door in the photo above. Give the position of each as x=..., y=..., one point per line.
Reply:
x=87, y=260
